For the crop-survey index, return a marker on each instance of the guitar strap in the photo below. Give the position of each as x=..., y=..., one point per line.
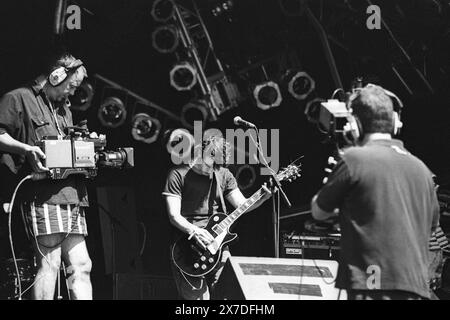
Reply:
x=219, y=189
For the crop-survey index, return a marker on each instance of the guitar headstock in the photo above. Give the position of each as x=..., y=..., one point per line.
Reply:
x=290, y=173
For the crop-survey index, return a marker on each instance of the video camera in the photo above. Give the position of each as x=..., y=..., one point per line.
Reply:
x=334, y=116
x=80, y=153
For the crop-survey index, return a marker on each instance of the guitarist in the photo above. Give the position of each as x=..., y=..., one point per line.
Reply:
x=193, y=192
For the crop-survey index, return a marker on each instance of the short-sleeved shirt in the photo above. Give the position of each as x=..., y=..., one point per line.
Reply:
x=388, y=209
x=25, y=114
x=199, y=193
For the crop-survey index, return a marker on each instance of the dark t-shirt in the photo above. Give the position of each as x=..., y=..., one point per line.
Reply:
x=388, y=208
x=199, y=195
x=26, y=116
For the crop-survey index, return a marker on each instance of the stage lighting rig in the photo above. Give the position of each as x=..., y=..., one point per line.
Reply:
x=224, y=93
x=179, y=144
x=145, y=128
x=112, y=112
x=165, y=39
x=82, y=98
x=245, y=176
x=312, y=110
x=299, y=84
x=183, y=76
x=162, y=10
x=267, y=95
x=195, y=110
x=222, y=7
x=198, y=46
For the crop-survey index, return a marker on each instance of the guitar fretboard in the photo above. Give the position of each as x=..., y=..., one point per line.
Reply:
x=232, y=217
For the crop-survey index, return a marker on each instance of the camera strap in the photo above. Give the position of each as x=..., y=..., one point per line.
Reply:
x=55, y=117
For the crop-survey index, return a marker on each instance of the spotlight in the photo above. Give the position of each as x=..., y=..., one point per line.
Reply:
x=165, y=39
x=196, y=110
x=299, y=84
x=245, y=176
x=145, y=128
x=312, y=110
x=180, y=143
x=222, y=7
x=267, y=95
x=162, y=10
x=183, y=76
x=82, y=98
x=112, y=112
x=225, y=94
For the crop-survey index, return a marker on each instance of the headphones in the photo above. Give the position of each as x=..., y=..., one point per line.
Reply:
x=57, y=76
x=353, y=130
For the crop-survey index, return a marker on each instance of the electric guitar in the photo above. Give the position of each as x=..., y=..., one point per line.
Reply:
x=196, y=261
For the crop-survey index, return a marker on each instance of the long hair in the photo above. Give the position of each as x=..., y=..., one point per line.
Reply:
x=218, y=148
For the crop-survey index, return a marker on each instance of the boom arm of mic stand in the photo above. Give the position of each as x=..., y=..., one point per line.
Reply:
x=264, y=162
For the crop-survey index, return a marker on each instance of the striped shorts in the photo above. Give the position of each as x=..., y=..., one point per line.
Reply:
x=48, y=219
x=439, y=240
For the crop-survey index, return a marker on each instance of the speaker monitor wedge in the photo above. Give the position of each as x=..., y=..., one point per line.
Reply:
x=256, y=278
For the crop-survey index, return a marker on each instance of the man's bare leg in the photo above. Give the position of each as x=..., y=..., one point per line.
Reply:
x=48, y=259
x=79, y=265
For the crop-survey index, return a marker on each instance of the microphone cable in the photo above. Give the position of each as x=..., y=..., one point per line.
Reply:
x=9, y=209
x=11, y=243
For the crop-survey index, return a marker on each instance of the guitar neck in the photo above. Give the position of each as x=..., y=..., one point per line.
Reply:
x=232, y=217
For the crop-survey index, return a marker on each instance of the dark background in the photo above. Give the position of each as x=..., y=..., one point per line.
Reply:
x=115, y=42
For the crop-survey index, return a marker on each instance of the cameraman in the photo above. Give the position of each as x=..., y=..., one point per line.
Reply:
x=54, y=209
x=387, y=205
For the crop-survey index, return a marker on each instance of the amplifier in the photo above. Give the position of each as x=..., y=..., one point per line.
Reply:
x=307, y=246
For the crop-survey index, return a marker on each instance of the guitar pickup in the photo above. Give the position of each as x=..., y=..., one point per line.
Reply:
x=194, y=247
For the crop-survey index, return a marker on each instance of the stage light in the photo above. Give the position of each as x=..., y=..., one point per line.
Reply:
x=112, y=112
x=196, y=110
x=299, y=84
x=225, y=94
x=222, y=7
x=312, y=110
x=267, y=95
x=82, y=98
x=245, y=176
x=165, y=39
x=145, y=128
x=162, y=10
x=183, y=76
x=180, y=143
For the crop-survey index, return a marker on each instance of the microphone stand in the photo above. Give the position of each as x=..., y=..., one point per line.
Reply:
x=276, y=188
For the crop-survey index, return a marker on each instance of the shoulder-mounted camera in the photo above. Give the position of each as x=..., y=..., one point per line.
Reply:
x=81, y=153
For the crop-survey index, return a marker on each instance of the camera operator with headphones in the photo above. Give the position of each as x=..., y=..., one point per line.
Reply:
x=386, y=202
x=53, y=209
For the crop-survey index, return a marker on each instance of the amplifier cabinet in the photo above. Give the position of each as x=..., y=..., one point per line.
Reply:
x=311, y=247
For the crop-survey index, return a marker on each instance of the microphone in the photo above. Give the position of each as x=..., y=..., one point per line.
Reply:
x=241, y=122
